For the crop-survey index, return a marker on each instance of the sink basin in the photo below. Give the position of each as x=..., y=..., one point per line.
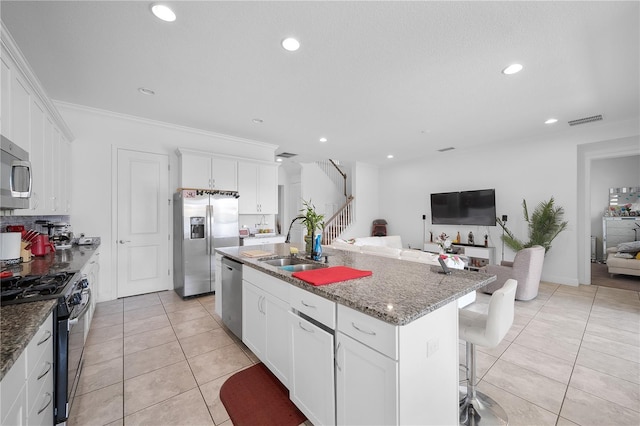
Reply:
x=293, y=264
x=302, y=267
x=284, y=261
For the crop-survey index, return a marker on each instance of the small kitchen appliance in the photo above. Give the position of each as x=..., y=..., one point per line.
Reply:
x=15, y=176
x=10, y=247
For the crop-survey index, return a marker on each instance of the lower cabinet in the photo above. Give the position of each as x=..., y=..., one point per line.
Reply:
x=366, y=384
x=27, y=388
x=312, y=383
x=264, y=321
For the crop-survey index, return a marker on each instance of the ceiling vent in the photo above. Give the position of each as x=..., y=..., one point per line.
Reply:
x=446, y=149
x=286, y=155
x=585, y=120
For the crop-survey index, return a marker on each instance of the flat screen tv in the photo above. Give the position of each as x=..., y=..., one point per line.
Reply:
x=464, y=208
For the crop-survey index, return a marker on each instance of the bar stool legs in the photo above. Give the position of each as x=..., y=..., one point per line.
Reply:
x=478, y=408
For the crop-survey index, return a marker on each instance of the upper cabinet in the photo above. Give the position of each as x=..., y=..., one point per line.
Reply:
x=258, y=188
x=31, y=121
x=207, y=171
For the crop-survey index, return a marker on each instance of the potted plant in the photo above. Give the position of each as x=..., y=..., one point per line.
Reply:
x=313, y=221
x=545, y=223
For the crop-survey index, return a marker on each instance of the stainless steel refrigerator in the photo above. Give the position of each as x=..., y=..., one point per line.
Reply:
x=203, y=220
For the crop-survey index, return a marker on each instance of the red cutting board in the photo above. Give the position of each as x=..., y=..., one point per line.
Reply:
x=330, y=275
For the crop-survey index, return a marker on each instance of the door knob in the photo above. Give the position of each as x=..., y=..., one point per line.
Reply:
x=124, y=241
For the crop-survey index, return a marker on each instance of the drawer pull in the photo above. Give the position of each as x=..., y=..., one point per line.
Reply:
x=308, y=306
x=48, y=336
x=305, y=329
x=44, y=373
x=370, y=333
x=47, y=404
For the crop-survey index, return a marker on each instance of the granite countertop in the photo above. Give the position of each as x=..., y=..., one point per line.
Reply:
x=398, y=292
x=19, y=322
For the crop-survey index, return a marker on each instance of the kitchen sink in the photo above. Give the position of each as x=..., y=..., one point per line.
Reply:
x=303, y=267
x=293, y=264
x=285, y=261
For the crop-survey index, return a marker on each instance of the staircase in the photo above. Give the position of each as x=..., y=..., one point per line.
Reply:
x=339, y=222
x=345, y=215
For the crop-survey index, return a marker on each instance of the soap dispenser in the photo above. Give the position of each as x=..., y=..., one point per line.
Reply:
x=317, y=248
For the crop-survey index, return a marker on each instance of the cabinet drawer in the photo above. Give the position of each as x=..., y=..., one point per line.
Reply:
x=320, y=309
x=39, y=382
x=376, y=334
x=11, y=385
x=268, y=283
x=41, y=343
x=41, y=403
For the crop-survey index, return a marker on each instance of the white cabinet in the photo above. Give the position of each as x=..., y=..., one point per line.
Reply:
x=264, y=321
x=31, y=121
x=91, y=272
x=366, y=384
x=257, y=241
x=27, y=388
x=312, y=365
x=366, y=370
x=312, y=386
x=258, y=188
x=478, y=256
x=203, y=170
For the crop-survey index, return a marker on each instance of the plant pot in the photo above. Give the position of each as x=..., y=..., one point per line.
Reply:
x=308, y=244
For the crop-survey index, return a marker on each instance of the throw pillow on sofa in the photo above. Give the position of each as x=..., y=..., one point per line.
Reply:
x=631, y=247
x=624, y=255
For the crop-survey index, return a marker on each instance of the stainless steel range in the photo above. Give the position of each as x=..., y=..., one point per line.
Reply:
x=73, y=297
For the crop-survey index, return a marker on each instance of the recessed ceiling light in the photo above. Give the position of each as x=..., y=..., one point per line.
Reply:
x=291, y=44
x=551, y=121
x=257, y=121
x=323, y=139
x=512, y=69
x=390, y=156
x=279, y=160
x=163, y=12
x=146, y=91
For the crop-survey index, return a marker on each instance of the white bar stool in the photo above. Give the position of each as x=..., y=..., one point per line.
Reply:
x=486, y=330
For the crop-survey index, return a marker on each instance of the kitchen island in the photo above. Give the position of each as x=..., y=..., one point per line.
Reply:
x=392, y=336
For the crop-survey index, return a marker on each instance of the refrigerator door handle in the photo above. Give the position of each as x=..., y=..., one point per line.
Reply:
x=209, y=230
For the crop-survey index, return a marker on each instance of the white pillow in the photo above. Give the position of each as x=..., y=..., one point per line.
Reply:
x=624, y=255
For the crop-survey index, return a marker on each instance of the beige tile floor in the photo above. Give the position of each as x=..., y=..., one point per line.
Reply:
x=572, y=357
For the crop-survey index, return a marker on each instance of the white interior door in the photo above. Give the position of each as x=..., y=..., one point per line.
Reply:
x=143, y=223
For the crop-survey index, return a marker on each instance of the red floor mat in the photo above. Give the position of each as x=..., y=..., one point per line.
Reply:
x=254, y=396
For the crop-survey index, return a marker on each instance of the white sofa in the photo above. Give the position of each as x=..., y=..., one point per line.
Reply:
x=391, y=246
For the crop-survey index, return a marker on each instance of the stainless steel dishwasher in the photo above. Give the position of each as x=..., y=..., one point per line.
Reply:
x=232, y=295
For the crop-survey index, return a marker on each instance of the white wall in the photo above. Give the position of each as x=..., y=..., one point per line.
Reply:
x=97, y=134
x=535, y=171
x=365, y=186
x=609, y=173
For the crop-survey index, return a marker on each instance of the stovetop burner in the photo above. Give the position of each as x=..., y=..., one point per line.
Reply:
x=30, y=288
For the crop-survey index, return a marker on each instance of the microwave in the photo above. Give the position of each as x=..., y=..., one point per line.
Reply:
x=15, y=176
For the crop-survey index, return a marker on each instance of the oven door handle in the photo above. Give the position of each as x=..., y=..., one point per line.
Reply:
x=73, y=321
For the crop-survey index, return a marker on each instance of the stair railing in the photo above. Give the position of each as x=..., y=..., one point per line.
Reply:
x=339, y=222
x=337, y=176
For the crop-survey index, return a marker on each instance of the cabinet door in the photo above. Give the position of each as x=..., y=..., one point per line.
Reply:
x=48, y=197
x=312, y=384
x=267, y=189
x=248, y=188
x=254, y=319
x=195, y=171
x=278, y=342
x=37, y=158
x=225, y=174
x=366, y=384
x=20, y=103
